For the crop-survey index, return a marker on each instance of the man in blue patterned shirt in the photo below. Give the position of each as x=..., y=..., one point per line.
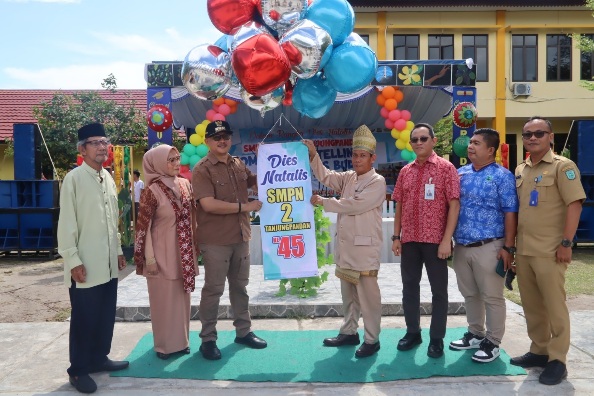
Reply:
x=485, y=239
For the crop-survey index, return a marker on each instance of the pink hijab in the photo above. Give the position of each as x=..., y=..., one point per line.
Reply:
x=155, y=167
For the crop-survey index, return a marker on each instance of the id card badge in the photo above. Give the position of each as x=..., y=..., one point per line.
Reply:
x=533, y=198
x=430, y=190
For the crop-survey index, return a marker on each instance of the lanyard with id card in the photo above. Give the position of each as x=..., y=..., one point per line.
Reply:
x=430, y=190
x=534, y=193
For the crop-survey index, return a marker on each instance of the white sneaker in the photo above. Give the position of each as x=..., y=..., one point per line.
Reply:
x=487, y=352
x=469, y=341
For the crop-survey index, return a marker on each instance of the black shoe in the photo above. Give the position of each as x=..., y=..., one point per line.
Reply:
x=166, y=356
x=83, y=383
x=530, y=360
x=554, y=372
x=342, y=339
x=366, y=350
x=435, y=349
x=409, y=341
x=252, y=341
x=110, y=365
x=210, y=351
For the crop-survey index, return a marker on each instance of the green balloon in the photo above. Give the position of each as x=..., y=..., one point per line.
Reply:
x=194, y=160
x=406, y=155
x=185, y=159
x=189, y=149
x=202, y=149
x=460, y=146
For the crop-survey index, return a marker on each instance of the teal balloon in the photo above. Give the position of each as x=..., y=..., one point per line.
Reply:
x=406, y=155
x=313, y=97
x=202, y=150
x=334, y=16
x=351, y=67
x=194, y=160
x=189, y=149
x=185, y=159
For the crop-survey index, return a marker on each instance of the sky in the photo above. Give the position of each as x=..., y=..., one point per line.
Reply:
x=75, y=44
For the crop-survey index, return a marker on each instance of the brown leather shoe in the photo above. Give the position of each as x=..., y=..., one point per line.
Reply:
x=342, y=339
x=366, y=350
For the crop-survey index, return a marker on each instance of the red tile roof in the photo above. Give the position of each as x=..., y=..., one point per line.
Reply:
x=17, y=105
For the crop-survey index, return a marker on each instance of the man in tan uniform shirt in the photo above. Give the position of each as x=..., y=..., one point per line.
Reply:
x=550, y=195
x=358, y=239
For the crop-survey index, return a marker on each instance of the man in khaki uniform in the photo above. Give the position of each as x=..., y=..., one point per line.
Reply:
x=358, y=239
x=550, y=195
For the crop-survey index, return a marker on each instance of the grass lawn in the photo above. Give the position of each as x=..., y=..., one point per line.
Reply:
x=579, y=277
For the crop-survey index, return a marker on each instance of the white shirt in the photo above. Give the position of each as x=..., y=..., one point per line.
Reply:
x=138, y=186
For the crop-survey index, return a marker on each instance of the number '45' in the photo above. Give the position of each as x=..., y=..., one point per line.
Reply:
x=289, y=246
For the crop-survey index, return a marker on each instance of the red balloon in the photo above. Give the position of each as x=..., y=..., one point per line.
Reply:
x=218, y=117
x=394, y=115
x=210, y=114
x=384, y=112
x=184, y=168
x=159, y=118
x=400, y=124
x=227, y=15
x=260, y=64
x=288, y=99
x=405, y=114
x=225, y=109
x=79, y=159
x=389, y=123
x=294, y=55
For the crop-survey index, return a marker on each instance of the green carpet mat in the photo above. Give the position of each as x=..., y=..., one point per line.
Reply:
x=299, y=356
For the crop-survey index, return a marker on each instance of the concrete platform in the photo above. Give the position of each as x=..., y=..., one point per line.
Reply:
x=133, y=303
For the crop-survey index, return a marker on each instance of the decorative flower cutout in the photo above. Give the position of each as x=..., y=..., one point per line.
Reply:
x=465, y=76
x=411, y=75
x=465, y=114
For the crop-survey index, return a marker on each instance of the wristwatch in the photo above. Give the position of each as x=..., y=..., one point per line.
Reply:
x=395, y=238
x=566, y=243
x=510, y=250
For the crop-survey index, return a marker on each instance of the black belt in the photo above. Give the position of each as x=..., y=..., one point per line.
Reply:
x=481, y=243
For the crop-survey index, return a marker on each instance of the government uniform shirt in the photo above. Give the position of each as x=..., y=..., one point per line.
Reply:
x=556, y=179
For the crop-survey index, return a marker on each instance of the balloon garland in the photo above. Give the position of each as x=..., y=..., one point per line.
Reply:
x=399, y=121
x=279, y=53
x=196, y=149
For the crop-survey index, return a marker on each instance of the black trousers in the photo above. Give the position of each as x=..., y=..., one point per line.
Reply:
x=91, y=325
x=414, y=254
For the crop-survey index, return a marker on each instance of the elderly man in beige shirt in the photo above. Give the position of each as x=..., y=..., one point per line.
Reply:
x=358, y=239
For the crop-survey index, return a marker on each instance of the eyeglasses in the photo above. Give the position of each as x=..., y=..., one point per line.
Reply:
x=537, y=134
x=223, y=137
x=97, y=143
x=423, y=139
x=173, y=160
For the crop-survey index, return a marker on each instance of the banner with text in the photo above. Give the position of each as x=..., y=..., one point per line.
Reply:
x=286, y=217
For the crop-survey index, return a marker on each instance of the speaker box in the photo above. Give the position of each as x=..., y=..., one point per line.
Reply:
x=581, y=142
x=27, y=152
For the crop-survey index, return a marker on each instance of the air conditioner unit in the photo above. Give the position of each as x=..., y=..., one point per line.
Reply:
x=522, y=89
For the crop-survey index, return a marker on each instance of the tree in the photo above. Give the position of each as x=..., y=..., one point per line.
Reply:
x=586, y=45
x=61, y=117
x=444, y=132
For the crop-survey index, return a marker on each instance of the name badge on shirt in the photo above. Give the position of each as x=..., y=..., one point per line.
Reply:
x=430, y=190
x=533, y=198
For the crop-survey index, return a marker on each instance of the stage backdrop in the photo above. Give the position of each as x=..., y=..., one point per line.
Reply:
x=286, y=218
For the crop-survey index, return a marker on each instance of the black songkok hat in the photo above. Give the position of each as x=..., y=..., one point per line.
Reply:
x=216, y=127
x=91, y=130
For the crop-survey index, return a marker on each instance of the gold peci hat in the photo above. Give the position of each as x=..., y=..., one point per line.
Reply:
x=363, y=139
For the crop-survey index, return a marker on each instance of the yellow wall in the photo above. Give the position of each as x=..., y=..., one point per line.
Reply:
x=6, y=165
x=561, y=102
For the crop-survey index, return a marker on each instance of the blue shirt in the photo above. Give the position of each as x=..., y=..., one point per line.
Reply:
x=485, y=196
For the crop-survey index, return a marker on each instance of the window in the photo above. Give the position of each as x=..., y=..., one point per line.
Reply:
x=441, y=47
x=587, y=72
x=406, y=47
x=524, y=57
x=558, y=57
x=477, y=48
x=365, y=38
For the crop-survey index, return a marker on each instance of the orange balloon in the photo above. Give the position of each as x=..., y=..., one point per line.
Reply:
x=233, y=109
x=218, y=101
x=396, y=88
x=230, y=102
x=399, y=95
x=388, y=92
x=380, y=100
x=391, y=104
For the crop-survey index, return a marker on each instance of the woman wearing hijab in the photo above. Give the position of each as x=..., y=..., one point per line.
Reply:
x=165, y=250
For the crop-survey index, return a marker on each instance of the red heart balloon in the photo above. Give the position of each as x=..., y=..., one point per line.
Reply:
x=260, y=64
x=227, y=15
